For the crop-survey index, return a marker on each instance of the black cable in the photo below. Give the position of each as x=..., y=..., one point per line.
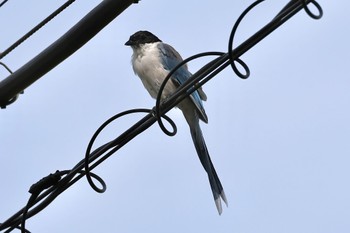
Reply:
x=35, y=190
x=6, y=67
x=3, y=2
x=36, y=28
x=18, y=228
x=309, y=12
x=230, y=43
x=118, y=142
x=106, y=146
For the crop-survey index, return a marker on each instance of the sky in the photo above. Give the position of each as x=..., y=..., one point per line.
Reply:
x=279, y=140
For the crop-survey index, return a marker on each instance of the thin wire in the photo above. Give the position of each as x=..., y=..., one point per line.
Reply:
x=36, y=28
x=3, y=2
x=230, y=43
x=6, y=67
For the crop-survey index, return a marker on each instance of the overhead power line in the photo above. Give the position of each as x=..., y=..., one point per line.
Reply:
x=3, y=2
x=36, y=28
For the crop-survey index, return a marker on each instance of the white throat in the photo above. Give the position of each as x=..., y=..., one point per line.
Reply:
x=147, y=64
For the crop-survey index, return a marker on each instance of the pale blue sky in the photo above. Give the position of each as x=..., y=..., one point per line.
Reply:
x=279, y=140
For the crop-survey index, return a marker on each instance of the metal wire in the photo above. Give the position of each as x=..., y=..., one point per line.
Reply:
x=6, y=67
x=36, y=28
x=3, y=2
x=207, y=72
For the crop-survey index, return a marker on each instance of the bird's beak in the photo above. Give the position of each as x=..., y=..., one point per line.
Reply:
x=129, y=43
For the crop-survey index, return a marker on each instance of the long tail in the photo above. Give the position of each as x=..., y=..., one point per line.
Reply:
x=203, y=154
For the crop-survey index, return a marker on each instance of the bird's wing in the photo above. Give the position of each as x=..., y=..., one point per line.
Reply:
x=171, y=58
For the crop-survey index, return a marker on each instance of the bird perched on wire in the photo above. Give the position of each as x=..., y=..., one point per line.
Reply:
x=152, y=60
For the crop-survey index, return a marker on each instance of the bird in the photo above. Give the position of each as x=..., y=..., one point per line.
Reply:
x=152, y=60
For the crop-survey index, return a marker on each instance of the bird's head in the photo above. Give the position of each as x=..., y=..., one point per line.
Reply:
x=140, y=38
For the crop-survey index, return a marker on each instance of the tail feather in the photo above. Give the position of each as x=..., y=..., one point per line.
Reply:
x=203, y=154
